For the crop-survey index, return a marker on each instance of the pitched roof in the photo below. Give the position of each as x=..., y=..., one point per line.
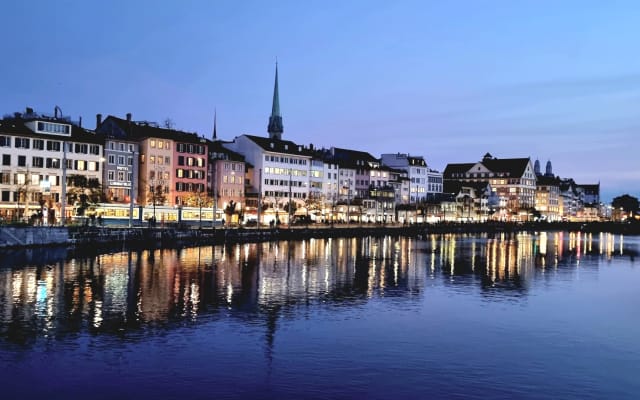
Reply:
x=454, y=187
x=348, y=154
x=217, y=146
x=138, y=130
x=542, y=180
x=452, y=169
x=512, y=166
x=17, y=126
x=280, y=146
x=509, y=166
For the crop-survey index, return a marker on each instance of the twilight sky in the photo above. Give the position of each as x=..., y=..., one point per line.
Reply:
x=449, y=80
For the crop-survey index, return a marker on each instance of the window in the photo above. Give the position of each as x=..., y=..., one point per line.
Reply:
x=5, y=141
x=20, y=179
x=94, y=149
x=6, y=159
x=38, y=144
x=53, y=163
x=110, y=175
x=53, y=145
x=92, y=166
x=37, y=162
x=5, y=195
x=167, y=160
x=180, y=160
x=129, y=160
x=112, y=159
x=152, y=143
x=121, y=176
x=160, y=144
x=22, y=161
x=121, y=146
x=22, y=143
x=120, y=160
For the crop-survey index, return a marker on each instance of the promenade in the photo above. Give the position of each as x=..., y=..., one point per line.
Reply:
x=96, y=237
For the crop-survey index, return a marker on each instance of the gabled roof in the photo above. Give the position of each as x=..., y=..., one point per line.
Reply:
x=452, y=169
x=513, y=167
x=139, y=130
x=280, y=146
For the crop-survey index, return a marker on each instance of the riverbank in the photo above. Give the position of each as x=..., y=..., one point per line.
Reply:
x=109, y=237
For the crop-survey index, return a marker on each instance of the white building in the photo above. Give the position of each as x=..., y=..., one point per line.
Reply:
x=281, y=172
x=423, y=181
x=37, y=151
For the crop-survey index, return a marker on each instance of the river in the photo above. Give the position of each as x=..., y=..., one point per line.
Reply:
x=530, y=316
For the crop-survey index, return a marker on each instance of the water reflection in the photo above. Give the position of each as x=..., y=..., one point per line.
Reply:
x=128, y=291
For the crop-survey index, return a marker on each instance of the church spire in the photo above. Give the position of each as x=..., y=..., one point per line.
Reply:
x=215, y=118
x=275, y=128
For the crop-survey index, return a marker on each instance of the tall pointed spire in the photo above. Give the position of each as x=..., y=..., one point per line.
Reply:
x=275, y=128
x=215, y=117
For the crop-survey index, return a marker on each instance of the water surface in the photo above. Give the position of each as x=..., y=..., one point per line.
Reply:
x=532, y=316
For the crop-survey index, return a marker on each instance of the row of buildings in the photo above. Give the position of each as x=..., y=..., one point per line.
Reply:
x=54, y=166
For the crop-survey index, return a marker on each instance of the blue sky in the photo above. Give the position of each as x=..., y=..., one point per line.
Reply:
x=450, y=80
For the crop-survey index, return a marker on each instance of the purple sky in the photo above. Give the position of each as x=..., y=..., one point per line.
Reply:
x=451, y=81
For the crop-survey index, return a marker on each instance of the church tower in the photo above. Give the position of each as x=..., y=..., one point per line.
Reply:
x=549, y=170
x=536, y=168
x=275, y=128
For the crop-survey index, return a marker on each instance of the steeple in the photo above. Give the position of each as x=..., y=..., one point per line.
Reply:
x=215, y=134
x=536, y=167
x=275, y=128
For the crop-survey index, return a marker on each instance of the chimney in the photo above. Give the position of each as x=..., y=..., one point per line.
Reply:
x=129, y=117
x=80, y=121
x=98, y=120
x=310, y=146
x=29, y=111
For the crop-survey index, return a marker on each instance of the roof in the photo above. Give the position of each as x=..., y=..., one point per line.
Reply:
x=347, y=154
x=542, y=180
x=16, y=126
x=452, y=169
x=509, y=166
x=217, y=146
x=591, y=188
x=454, y=187
x=139, y=130
x=280, y=146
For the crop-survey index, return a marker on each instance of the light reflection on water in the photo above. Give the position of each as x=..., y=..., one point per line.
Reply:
x=288, y=318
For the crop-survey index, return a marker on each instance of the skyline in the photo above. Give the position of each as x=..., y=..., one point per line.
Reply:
x=448, y=82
